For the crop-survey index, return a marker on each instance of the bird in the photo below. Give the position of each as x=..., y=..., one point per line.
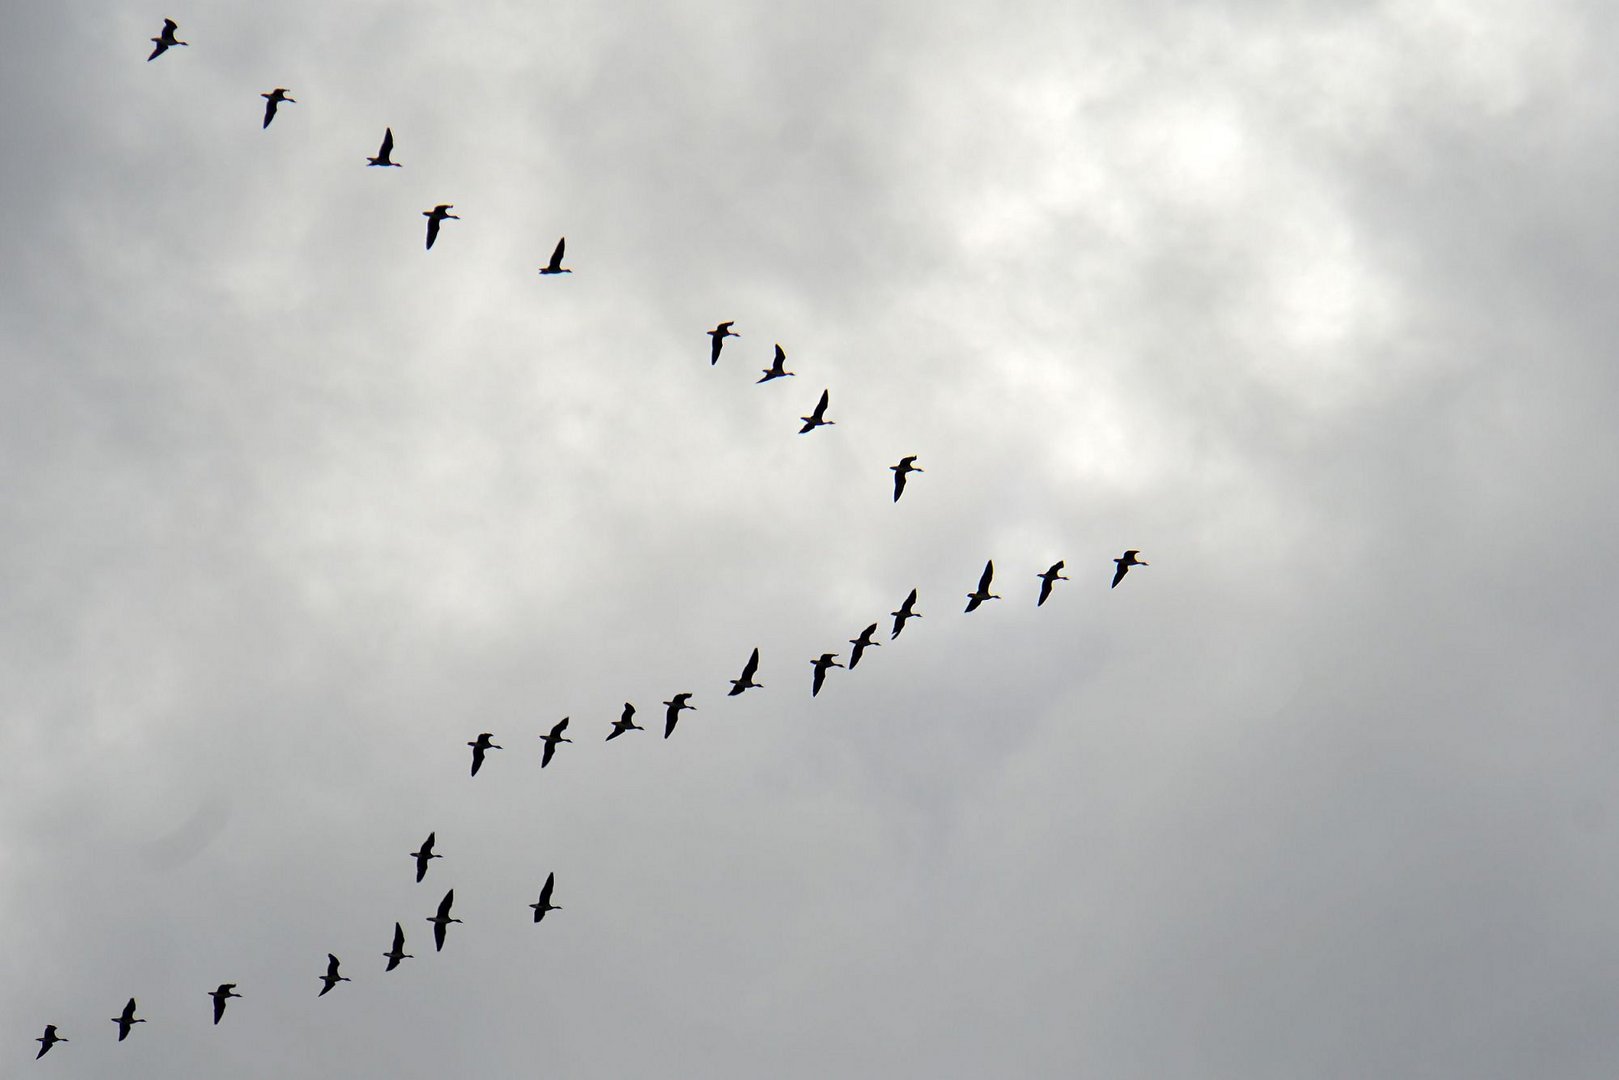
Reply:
x=220, y=996
x=982, y=593
x=552, y=739
x=906, y=610
x=397, y=953
x=382, y=157
x=861, y=644
x=272, y=99
x=426, y=852
x=824, y=661
x=545, y=897
x=776, y=370
x=162, y=41
x=905, y=466
x=51, y=1038
x=624, y=723
x=331, y=978
x=719, y=334
x=441, y=920
x=480, y=745
x=1125, y=561
x=434, y=217
x=673, y=712
x=746, y=681
x=817, y=418
x=1052, y=575
x=126, y=1020
x=555, y=265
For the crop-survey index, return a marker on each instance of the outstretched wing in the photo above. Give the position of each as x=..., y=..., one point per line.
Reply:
x=556, y=256
x=989, y=573
x=432, y=231
x=387, y=144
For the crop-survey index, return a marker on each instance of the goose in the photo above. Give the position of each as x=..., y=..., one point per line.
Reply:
x=555, y=265
x=441, y=920
x=746, y=681
x=906, y=610
x=776, y=370
x=821, y=663
x=51, y=1038
x=220, y=996
x=1125, y=561
x=1052, y=575
x=672, y=714
x=624, y=723
x=271, y=100
x=818, y=417
x=397, y=953
x=552, y=739
x=479, y=747
x=426, y=852
x=861, y=644
x=162, y=41
x=719, y=334
x=331, y=978
x=434, y=217
x=545, y=897
x=382, y=157
x=126, y=1020
x=906, y=465
x=982, y=593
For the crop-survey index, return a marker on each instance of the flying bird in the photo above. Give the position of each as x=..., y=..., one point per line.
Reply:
x=746, y=681
x=220, y=996
x=51, y=1038
x=906, y=465
x=824, y=661
x=126, y=1020
x=434, y=217
x=818, y=417
x=397, y=953
x=861, y=644
x=906, y=610
x=441, y=920
x=426, y=853
x=982, y=593
x=776, y=370
x=1125, y=561
x=624, y=723
x=555, y=265
x=672, y=714
x=552, y=739
x=331, y=978
x=272, y=99
x=545, y=897
x=481, y=744
x=382, y=157
x=719, y=334
x=1052, y=575
x=162, y=41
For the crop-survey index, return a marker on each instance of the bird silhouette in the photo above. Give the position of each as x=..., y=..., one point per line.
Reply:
x=551, y=740
x=331, y=978
x=426, y=852
x=672, y=714
x=719, y=334
x=861, y=644
x=1125, y=561
x=555, y=265
x=51, y=1038
x=776, y=369
x=1052, y=575
x=220, y=996
x=383, y=157
x=162, y=41
x=434, y=217
x=271, y=100
x=397, y=953
x=906, y=610
x=746, y=681
x=479, y=746
x=545, y=897
x=126, y=1020
x=818, y=417
x=906, y=465
x=441, y=920
x=624, y=723
x=982, y=593
x=821, y=663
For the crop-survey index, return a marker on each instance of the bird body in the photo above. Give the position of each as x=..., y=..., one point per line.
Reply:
x=331, y=978
x=397, y=953
x=545, y=897
x=861, y=644
x=748, y=671
x=906, y=610
x=441, y=920
x=555, y=265
x=672, y=713
x=982, y=593
x=551, y=740
x=1125, y=561
x=271, y=100
x=818, y=417
x=426, y=853
x=51, y=1038
x=906, y=465
x=821, y=663
x=480, y=745
x=220, y=996
x=126, y=1020
x=624, y=723
x=777, y=369
x=1052, y=575
x=383, y=155
x=435, y=217
x=719, y=334
x=162, y=42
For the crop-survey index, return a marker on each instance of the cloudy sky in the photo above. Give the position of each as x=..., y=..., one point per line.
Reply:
x=1310, y=302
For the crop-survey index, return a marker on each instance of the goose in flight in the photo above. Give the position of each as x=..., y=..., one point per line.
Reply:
x=331, y=978
x=51, y=1038
x=220, y=996
x=719, y=334
x=434, y=217
x=777, y=369
x=1052, y=575
x=672, y=714
x=383, y=157
x=906, y=465
x=555, y=265
x=982, y=593
x=162, y=41
x=397, y=953
x=479, y=746
x=746, y=681
x=126, y=1020
x=906, y=610
x=426, y=852
x=271, y=100
x=818, y=417
x=441, y=920
x=551, y=740
x=624, y=723
x=861, y=644
x=1125, y=561
x=821, y=663
x=545, y=897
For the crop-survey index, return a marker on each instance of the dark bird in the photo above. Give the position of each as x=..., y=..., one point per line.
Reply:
x=220, y=996
x=479, y=745
x=906, y=610
x=672, y=714
x=624, y=723
x=126, y=1020
x=905, y=466
x=331, y=978
x=555, y=265
x=818, y=417
x=719, y=334
x=545, y=897
x=441, y=920
x=861, y=644
x=51, y=1038
x=1125, y=561
x=434, y=217
x=426, y=853
x=272, y=99
x=551, y=740
x=746, y=681
x=776, y=370
x=1052, y=575
x=824, y=661
x=982, y=593
x=397, y=953
x=382, y=157
x=162, y=41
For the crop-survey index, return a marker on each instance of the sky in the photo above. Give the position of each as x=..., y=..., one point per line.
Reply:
x=1309, y=302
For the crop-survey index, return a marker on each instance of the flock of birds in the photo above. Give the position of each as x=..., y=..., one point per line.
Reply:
x=441, y=918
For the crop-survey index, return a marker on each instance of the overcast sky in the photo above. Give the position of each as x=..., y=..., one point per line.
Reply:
x=1310, y=302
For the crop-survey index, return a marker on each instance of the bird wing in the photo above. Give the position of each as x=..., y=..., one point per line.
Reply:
x=670, y=720
x=899, y=483
x=269, y=111
x=984, y=580
x=331, y=966
x=444, y=904
x=1045, y=590
x=856, y=653
x=556, y=256
x=1118, y=575
x=545, y=890
x=477, y=758
x=387, y=144
x=550, y=748
x=219, y=1005
x=751, y=666
x=820, y=406
x=399, y=937
x=169, y=27
x=781, y=357
x=820, y=677
x=427, y=845
x=158, y=51
x=714, y=353
x=432, y=230
x=438, y=936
